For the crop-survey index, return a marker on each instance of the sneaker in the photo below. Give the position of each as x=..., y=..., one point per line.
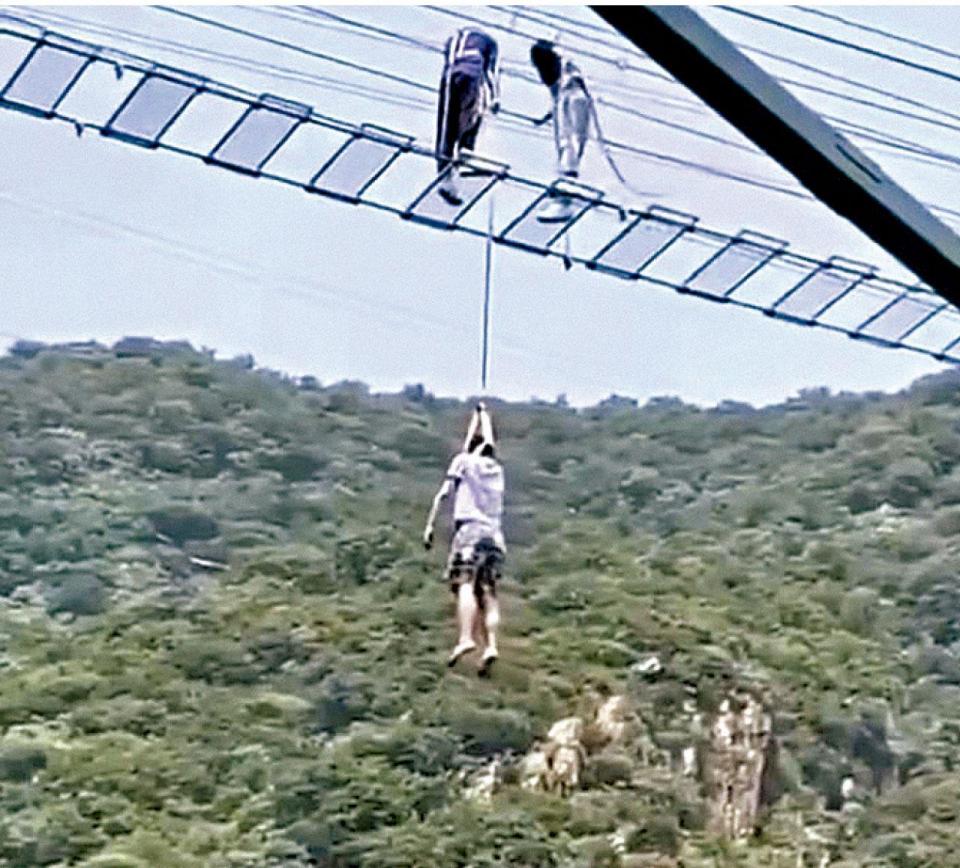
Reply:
x=558, y=210
x=486, y=664
x=458, y=652
x=449, y=192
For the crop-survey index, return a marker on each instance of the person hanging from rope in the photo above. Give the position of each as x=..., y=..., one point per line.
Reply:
x=573, y=111
x=469, y=87
x=477, y=550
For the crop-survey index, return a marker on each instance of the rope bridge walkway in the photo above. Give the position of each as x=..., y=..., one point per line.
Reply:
x=159, y=107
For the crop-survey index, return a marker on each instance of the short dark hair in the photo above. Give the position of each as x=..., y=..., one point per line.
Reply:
x=488, y=450
x=544, y=57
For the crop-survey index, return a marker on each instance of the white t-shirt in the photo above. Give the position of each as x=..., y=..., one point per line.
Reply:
x=480, y=487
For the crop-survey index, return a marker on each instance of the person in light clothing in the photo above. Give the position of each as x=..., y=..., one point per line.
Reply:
x=475, y=563
x=572, y=113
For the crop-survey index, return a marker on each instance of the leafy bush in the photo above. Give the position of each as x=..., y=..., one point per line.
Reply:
x=658, y=834
x=909, y=480
x=19, y=761
x=606, y=769
x=640, y=485
x=181, y=523
x=488, y=732
x=79, y=595
x=859, y=611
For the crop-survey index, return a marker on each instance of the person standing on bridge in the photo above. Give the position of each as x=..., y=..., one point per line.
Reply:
x=477, y=550
x=572, y=113
x=469, y=87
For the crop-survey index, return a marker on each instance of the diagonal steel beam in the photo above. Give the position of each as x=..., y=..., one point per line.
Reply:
x=832, y=168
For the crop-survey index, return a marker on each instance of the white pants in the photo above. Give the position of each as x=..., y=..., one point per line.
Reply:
x=571, y=128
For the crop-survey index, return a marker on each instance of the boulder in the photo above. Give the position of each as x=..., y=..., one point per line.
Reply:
x=647, y=666
x=566, y=768
x=483, y=784
x=535, y=773
x=558, y=764
x=566, y=733
x=612, y=718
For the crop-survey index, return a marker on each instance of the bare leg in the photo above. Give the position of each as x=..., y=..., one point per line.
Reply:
x=466, y=620
x=491, y=620
x=480, y=628
x=466, y=611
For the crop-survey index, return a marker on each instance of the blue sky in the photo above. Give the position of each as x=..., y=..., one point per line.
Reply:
x=101, y=239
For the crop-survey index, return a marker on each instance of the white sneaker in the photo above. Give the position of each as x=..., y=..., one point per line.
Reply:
x=486, y=664
x=558, y=210
x=458, y=652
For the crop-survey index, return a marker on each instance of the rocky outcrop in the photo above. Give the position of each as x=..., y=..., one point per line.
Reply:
x=612, y=718
x=535, y=771
x=567, y=755
x=481, y=786
x=726, y=751
x=734, y=759
x=557, y=764
x=724, y=755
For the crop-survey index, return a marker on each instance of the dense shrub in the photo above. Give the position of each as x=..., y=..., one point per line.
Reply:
x=181, y=523
x=79, y=595
x=491, y=731
x=19, y=761
x=256, y=675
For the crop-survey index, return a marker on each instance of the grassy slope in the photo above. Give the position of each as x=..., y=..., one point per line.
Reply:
x=295, y=705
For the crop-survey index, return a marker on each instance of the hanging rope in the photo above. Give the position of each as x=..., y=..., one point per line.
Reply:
x=608, y=156
x=487, y=277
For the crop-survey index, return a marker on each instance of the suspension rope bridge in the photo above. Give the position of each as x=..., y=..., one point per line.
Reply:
x=505, y=114
x=909, y=150
x=150, y=105
x=522, y=123
x=864, y=132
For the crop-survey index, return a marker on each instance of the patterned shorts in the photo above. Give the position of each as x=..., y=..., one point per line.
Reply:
x=477, y=553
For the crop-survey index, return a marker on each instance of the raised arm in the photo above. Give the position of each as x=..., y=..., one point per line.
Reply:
x=486, y=424
x=472, y=428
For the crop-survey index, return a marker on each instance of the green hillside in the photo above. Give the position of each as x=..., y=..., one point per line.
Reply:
x=222, y=644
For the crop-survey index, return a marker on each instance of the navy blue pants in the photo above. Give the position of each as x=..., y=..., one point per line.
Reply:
x=460, y=111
